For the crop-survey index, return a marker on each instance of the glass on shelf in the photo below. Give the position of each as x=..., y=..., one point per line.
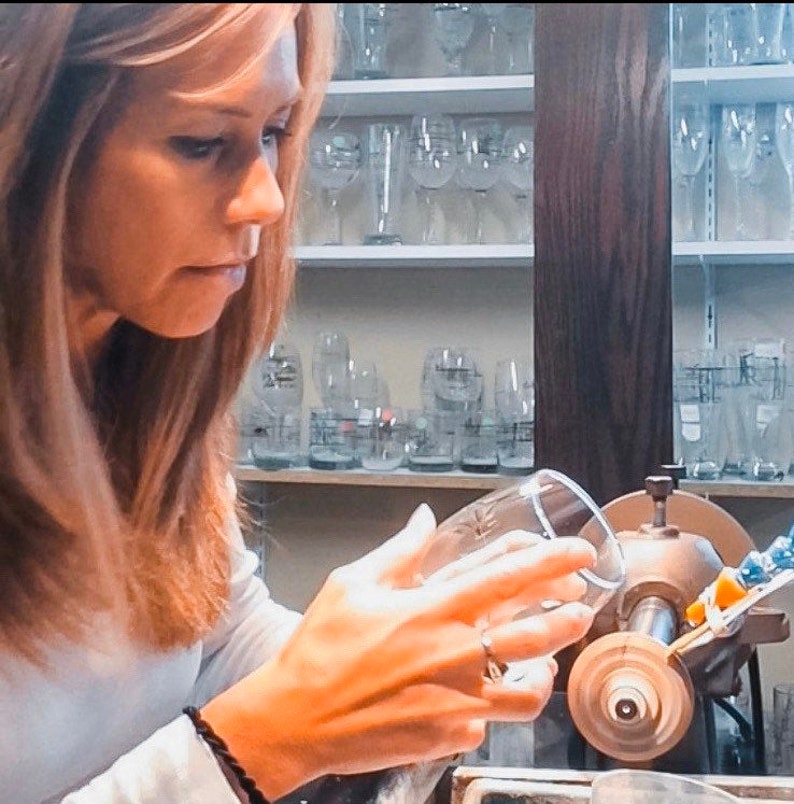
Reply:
x=738, y=145
x=453, y=26
x=519, y=166
x=690, y=132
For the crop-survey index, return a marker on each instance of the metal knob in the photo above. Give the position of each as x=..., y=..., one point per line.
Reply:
x=660, y=487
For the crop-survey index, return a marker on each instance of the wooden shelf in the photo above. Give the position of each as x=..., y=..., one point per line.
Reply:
x=736, y=487
x=400, y=478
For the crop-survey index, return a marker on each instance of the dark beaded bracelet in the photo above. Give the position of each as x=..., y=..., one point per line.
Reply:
x=221, y=750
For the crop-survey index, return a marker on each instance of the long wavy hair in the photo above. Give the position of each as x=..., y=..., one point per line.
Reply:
x=112, y=480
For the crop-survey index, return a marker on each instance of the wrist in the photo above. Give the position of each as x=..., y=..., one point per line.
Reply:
x=251, y=719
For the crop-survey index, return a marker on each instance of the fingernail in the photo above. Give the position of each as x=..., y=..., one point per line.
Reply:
x=553, y=666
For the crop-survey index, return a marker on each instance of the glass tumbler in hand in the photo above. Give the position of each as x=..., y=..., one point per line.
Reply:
x=335, y=160
x=546, y=503
x=432, y=161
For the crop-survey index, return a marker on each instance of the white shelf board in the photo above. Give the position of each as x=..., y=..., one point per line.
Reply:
x=756, y=83
x=466, y=256
x=735, y=252
x=740, y=487
x=399, y=478
x=469, y=94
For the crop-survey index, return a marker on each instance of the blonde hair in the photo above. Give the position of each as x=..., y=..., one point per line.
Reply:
x=112, y=483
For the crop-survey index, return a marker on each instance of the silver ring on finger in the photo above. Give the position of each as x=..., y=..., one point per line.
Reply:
x=494, y=670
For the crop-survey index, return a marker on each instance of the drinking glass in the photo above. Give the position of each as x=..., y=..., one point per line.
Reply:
x=369, y=26
x=480, y=143
x=478, y=442
x=767, y=20
x=518, y=21
x=331, y=368
x=492, y=13
x=386, y=151
x=689, y=149
x=629, y=786
x=335, y=159
x=514, y=388
x=546, y=503
x=432, y=161
x=278, y=379
x=738, y=141
x=453, y=26
x=382, y=438
x=518, y=166
x=456, y=381
x=783, y=728
x=759, y=174
x=784, y=137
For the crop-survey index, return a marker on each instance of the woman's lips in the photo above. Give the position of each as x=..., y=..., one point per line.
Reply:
x=233, y=274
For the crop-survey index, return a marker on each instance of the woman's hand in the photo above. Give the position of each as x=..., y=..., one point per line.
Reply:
x=382, y=672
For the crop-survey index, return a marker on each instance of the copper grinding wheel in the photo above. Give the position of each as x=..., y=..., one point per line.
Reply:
x=628, y=699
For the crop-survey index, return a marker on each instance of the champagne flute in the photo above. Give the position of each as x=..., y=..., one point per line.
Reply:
x=335, y=159
x=784, y=136
x=432, y=160
x=519, y=166
x=689, y=148
x=480, y=142
x=738, y=140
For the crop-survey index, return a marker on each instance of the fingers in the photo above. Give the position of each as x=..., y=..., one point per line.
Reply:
x=512, y=579
x=507, y=543
x=541, y=634
x=523, y=699
x=397, y=558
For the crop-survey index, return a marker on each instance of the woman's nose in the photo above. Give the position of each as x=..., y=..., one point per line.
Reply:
x=258, y=198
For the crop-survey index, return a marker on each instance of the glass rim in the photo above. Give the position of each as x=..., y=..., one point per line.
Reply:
x=588, y=574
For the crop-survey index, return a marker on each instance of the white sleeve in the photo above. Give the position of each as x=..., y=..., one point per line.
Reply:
x=174, y=764
x=252, y=630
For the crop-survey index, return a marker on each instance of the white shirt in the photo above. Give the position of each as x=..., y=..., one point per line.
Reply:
x=106, y=725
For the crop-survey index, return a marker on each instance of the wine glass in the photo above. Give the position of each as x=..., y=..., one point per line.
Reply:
x=335, y=160
x=547, y=504
x=518, y=21
x=689, y=149
x=759, y=173
x=432, y=160
x=456, y=380
x=480, y=142
x=519, y=166
x=453, y=28
x=738, y=140
x=784, y=136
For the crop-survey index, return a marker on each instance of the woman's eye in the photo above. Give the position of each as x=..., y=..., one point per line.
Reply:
x=197, y=147
x=272, y=136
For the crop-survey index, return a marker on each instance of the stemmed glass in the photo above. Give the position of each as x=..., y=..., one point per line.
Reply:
x=335, y=160
x=738, y=140
x=784, y=135
x=759, y=173
x=689, y=149
x=432, y=160
x=480, y=142
x=519, y=167
x=453, y=28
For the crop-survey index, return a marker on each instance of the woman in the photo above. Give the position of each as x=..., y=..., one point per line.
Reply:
x=150, y=157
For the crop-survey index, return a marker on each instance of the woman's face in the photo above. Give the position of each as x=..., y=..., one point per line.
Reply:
x=170, y=210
